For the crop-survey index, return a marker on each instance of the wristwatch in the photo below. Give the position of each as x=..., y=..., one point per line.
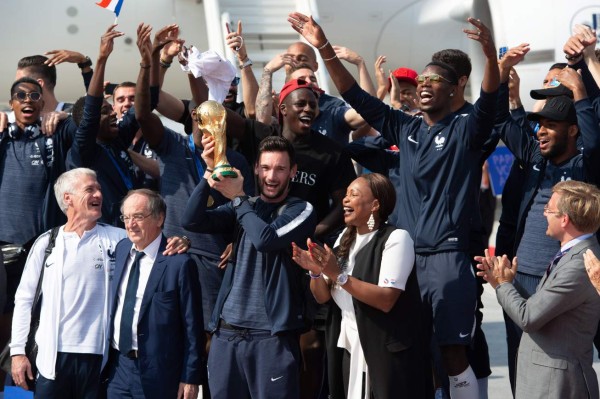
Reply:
x=246, y=63
x=342, y=278
x=86, y=63
x=237, y=201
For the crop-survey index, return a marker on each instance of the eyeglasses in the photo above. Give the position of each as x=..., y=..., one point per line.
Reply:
x=22, y=96
x=434, y=77
x=547, y=211
x=138, y=217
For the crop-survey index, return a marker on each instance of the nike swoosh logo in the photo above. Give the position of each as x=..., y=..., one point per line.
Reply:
x=535, y=167
x=49, y=264
x=412, y=140
x=463, y=335
x=275, y=379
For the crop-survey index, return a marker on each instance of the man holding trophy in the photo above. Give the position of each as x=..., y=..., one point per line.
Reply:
x=258, y=316
x=182, y=168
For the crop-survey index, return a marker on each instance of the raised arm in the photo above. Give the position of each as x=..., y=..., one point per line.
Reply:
x=313, y=33
x=236, y=43
x=264, y=99
x=373, y=110
x=364, y=78
x=169, y=105
x=170, y=49
x=587, y=121
x=382, y=83
x=152, y=127
x=509, y=76
x=481, y=34
x=515, y=135
x=84, y=149
x=580, y=53
x=96, y=88
x=84, y=63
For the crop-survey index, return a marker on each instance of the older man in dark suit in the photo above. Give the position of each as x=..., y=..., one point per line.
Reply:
x=560, y=319
x=157, y=337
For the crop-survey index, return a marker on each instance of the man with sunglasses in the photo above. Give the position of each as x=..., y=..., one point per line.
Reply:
x=481, y=223
x=23, y=147
x=439, y=154
x=29, y=164
x=43, y=69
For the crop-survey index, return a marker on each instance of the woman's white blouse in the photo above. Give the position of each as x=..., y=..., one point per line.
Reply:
x=396, y=264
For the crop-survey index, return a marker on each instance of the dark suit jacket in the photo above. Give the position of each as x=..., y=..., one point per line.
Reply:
x=559, y=323
x=170, y=328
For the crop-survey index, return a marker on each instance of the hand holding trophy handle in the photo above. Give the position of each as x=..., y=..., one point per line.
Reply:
x=211, y=119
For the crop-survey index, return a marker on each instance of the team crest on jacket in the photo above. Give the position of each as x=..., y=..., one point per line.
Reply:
x=439, y=142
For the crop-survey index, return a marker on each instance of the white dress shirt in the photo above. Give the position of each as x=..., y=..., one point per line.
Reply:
x=146, y=263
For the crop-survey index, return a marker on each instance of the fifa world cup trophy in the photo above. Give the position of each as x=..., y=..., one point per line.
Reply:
x=210, y=116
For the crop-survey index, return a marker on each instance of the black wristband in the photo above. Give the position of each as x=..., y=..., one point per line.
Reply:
x=86, y=63
x=572, y=57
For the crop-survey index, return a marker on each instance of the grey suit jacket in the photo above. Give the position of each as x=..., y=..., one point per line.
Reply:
x=559, y=323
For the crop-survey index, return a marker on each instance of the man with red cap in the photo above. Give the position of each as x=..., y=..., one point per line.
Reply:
x=404, y=94
x=335, y=118
x=323, y=166
x=406, y=88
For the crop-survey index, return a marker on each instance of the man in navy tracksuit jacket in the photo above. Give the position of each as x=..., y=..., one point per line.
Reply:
x=439, y=164
x=259, y=311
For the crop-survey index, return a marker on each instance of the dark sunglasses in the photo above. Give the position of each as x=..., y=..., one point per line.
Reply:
x=434, y=77
x=22, y=96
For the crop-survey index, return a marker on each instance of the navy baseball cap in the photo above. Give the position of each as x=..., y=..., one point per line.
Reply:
x=542, y=94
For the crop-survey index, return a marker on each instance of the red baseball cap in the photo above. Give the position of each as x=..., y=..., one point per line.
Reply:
x=296, y=84
x=404, y=75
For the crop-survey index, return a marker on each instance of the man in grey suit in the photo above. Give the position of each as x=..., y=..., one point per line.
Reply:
x=560, y=319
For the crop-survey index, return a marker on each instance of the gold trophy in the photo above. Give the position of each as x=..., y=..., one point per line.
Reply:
x=210, y=116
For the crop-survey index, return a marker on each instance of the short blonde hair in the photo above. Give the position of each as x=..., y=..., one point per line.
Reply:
x=581, y=202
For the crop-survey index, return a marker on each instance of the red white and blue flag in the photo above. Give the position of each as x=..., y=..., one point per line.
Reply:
x=112, y=5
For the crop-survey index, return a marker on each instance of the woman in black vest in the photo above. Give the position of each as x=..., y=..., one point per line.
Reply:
x=375, y=344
